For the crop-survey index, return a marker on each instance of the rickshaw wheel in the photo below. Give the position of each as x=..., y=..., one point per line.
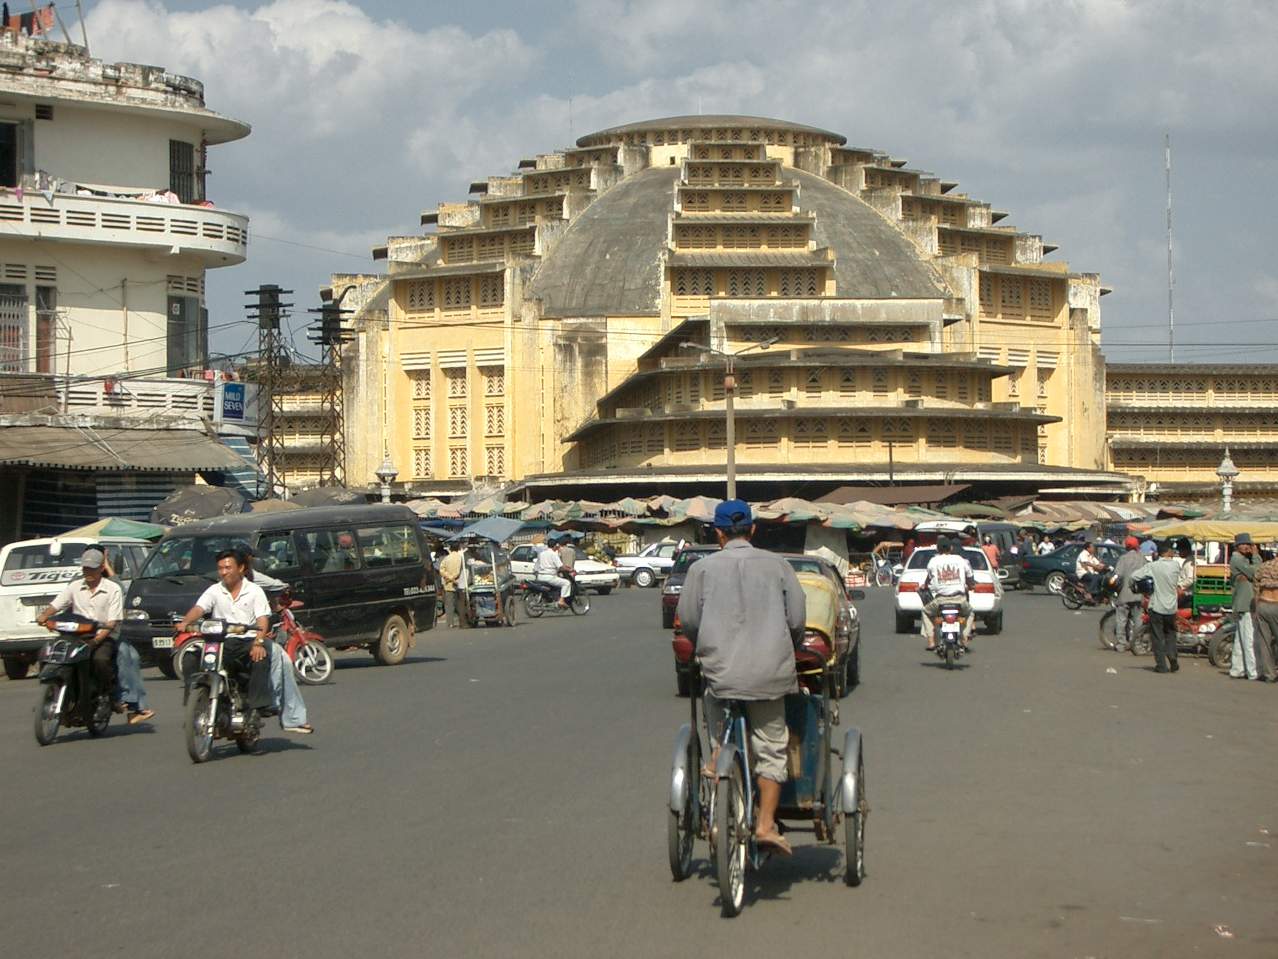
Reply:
x=508, y=609
x=732, y=843
x=1142, y=641
x=854, y=834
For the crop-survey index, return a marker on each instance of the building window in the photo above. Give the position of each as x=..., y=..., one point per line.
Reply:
x=184, y=179
x=761, y=434
x=812, y=385
x=1014, y=384
x=457, y=421
x=421, y=423
x=456, y=383
x=745, y=383
x=687, y=437
x=694, y=283
x=188, y=336
x=46, y=329
x=716, y=435
x=1040, y=299
x=811, y=433
x=914, y=384
x=495, y=460
x=776, y=384
x=457, y=292
x=963, y=384
x=495, y=420
x=942, y=385
x=491, y=290
x=421, y=384
x=847, y=383
x=421, y=296
x=494, y=380
x=987, y=293
x=13, y=328
x=1009, y=296
x=942, y=434
x=1043, y=377
x=854, y=434
x=458, y=462
x=421, y=463
x=654, y=438
x=898, y=429
x=879, y=383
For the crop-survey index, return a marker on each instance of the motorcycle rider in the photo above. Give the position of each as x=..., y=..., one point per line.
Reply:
x=744, y=610
x=287, y=696
x=100, y=599
x=1088, y=570
x=1128, y=607
x=546, y=570
x=239, y=601
x=949, y=576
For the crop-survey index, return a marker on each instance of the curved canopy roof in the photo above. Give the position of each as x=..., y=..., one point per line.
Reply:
x=609, y=262
x=706, y=122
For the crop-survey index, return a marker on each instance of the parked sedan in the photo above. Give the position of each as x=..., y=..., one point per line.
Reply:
x=986, y=596
x=674, y=582
x=649, y=565
x=1052, y=570
x=591, y=574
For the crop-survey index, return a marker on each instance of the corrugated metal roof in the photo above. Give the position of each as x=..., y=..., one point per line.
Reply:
x=114, y=448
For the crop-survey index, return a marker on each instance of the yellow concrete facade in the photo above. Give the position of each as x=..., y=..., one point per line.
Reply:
x=1171, y=425
x=540, y=328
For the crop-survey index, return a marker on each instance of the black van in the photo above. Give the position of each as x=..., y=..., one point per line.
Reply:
x=362, y=573
x=1004, y=536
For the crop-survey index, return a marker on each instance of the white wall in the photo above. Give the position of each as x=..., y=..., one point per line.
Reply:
x=90, y=301
x=104, y=146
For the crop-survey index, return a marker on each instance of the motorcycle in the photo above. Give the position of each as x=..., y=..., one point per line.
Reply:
x=1074, y=595
x=950, y=628
x=540, y=598
x=70, y=696
x=1210, y=634
x=214, y=702
x=307, y=651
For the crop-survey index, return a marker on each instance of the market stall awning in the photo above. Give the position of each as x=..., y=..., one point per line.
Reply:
x=895, y=495
x=114, y=449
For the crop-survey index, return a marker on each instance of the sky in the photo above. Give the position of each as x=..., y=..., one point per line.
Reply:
x=365, y=114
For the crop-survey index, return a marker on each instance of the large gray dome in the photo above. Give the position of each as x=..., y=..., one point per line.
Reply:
x=610, y=259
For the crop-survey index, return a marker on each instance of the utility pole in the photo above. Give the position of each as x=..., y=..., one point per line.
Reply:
x=1171, y=313
x=268, y=309
x=331, y=334
x=730, y=430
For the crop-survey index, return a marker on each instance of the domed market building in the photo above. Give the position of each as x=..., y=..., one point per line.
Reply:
x=565, y=330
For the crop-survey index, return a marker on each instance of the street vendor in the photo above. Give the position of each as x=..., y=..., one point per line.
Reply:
x=1266, y=616
x=452, y=571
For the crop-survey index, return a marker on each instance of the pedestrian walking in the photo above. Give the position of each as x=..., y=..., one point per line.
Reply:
x=1127, y=608
x=1165, y=572
x=1243, y=566
x=1266, y=619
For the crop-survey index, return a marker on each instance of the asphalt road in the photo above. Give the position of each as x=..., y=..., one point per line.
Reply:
x=502, y=794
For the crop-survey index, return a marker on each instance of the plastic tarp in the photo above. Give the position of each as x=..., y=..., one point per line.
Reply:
x=495, y=528
x=123, y=528
x=822, y=603
x=830, y=544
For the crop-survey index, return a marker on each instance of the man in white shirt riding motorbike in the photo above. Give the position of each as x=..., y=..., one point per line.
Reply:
x=546, y=568
x=949, y=577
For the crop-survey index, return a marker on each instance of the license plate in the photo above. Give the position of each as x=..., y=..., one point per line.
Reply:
x=950, y=627
x=162, y=642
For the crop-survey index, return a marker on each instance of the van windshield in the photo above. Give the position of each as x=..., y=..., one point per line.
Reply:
x=188, y=556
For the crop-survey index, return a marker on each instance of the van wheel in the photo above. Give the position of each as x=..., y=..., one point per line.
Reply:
x=393, y=645
x=166, y=664
x=16, y=668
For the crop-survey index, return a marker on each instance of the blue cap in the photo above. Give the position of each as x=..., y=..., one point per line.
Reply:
x=732, y=512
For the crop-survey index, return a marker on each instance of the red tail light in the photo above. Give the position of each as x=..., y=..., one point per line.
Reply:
x=905, y=586
x=983, y=588
x=816, y=642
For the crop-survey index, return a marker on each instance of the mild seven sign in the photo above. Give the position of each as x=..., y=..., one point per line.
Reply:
x=229, y=404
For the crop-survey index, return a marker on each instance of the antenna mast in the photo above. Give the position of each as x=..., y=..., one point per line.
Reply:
x=1171, y=313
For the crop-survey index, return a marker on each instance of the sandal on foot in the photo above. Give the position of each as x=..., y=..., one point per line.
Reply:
x=141, y=716
x=303, y=730
x=775, y=842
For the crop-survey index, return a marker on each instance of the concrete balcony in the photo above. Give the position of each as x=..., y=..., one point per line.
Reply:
x=219, y=237
x=136, y=395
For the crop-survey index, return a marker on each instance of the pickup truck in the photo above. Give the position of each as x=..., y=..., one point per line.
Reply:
x=649, y=564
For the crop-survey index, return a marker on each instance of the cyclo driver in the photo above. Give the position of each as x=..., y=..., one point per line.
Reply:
x=239, y=602
x=744, y=611
x=949, y=577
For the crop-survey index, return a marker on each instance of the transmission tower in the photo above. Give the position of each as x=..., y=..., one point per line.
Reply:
x=268, y=310
x=330, y=332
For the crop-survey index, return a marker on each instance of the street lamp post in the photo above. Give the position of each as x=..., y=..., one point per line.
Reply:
x=1227, y=472
x=729, y=404
x=386, y=474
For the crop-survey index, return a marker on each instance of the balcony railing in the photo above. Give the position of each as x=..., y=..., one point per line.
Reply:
x=219, y=236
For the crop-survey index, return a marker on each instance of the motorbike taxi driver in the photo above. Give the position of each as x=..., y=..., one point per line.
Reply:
x=744, y=611
x=949, y=577
x=239, y=601
x=546, y=567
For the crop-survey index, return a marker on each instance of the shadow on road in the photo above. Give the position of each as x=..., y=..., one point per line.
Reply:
x=371, y=663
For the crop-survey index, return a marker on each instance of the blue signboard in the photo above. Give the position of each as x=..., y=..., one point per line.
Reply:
x=232, y=405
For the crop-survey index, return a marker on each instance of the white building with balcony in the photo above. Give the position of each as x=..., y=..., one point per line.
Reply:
x=106, y=229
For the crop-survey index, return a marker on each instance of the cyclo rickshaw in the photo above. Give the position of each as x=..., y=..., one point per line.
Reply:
x=490, y=585
x=720, y=808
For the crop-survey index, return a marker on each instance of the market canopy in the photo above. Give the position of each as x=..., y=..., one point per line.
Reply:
x=114, y=526
x=1218, y=530
x=126, y=448
x=495, y=528
x=895, y=495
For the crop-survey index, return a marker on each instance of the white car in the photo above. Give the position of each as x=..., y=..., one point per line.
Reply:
x=603, y=578
x=986, y=597
x=31, y=574
x=650, y=564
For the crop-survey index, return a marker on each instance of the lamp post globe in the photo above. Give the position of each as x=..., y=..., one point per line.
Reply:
x=386, y=474
x=1227, y=472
